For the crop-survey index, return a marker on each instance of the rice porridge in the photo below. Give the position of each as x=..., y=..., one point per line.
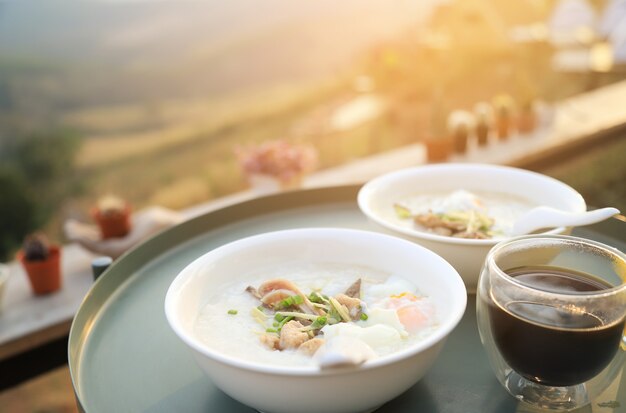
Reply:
x=460, y=213
x=316, y=314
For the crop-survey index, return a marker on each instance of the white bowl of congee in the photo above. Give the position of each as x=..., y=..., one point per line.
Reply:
x=316, y=320
x=461, y=210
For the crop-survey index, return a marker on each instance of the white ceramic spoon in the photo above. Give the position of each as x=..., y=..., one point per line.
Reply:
x=547, y=217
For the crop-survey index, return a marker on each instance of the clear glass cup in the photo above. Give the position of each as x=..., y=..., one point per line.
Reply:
x=551, y=313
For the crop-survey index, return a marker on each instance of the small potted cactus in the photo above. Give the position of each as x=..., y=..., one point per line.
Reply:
x=483, y=114
x=503, y=106
x=42, y=263
x=460, y=125
x=112, y=214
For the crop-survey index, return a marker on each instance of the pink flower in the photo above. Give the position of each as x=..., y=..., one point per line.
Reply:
x=280, y=159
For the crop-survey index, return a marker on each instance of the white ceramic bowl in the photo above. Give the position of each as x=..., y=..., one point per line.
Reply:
x=376, y=199
x=307, y=389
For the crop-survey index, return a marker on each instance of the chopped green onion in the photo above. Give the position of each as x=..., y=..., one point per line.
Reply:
x=364, y=316
x=285, y=321
x=455, y=216
x=290, y=301
x=341, y=309
x=333, y=316
x=318, y=298
x=322, y=306
x=271, y=330
x=287, y=302
x=319, y=322
x=232, y=312
x=402, y=211
x=315, y=298
x=279, y=317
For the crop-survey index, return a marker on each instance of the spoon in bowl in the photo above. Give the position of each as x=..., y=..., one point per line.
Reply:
x=548, y=217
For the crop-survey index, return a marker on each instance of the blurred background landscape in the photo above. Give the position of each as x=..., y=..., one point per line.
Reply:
x=148, y=99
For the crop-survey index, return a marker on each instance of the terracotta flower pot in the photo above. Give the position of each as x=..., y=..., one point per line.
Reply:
x=44, y=276
x=113, y=224
x=438, y=149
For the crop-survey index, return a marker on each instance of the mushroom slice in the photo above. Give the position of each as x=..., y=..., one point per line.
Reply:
x=282, y=284
x=275, y=296
x=354, y=290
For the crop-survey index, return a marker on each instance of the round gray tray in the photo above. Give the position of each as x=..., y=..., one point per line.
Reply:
x=123, y=356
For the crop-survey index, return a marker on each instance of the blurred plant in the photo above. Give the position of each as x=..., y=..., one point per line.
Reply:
x=279, y=159
x=46, y=155
x=19, y=213
x=36, y=175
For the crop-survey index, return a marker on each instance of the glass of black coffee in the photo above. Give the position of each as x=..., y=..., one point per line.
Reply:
x=551, y=313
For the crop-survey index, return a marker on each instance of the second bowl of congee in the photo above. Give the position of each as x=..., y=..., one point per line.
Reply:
x=462, y=210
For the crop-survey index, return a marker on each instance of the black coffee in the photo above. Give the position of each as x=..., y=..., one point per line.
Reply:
x=556, y=346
